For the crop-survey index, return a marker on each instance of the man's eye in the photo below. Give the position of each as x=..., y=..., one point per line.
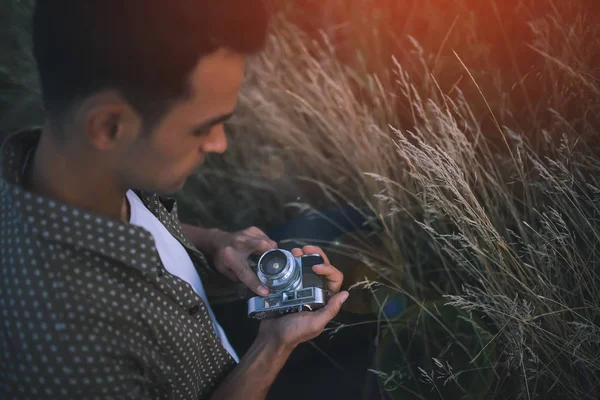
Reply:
x=202, y=132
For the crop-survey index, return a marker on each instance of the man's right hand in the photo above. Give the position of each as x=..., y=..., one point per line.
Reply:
x=292, y=329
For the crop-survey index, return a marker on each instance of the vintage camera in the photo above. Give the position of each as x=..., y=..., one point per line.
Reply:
x=293, y=284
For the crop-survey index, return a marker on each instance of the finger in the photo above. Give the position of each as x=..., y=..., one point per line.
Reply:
x=317, y=250
x=296, y=252
x=257, y=233
x=245, y=236
x=259, y=246
x=254, y=231
x=327, y=313
x=230, y=274
x=253, y=244
x=334, y=277
x=249, y=278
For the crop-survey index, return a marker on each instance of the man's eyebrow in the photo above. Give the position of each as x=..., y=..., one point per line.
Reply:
x=213, y=121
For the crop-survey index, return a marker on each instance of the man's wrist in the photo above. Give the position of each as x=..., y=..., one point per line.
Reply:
x=274, y=345
x=256, y=372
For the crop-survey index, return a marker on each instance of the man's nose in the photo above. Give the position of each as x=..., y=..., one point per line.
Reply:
x=216, y=141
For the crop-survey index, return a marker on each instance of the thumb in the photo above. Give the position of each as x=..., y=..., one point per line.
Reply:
x=333, y=307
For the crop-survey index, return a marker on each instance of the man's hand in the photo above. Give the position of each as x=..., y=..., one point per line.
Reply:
x=291, y=330
x=231, y=255
x=333, y=276
x=277, y=338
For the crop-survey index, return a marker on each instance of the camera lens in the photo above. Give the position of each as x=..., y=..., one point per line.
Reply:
x=278, y=270
x=273, y=263
x=275, y=266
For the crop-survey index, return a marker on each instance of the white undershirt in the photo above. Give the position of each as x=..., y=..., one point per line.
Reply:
x=174, y=257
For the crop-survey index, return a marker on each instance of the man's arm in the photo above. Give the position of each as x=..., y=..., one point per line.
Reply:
x=257, y=370
x=70, y=353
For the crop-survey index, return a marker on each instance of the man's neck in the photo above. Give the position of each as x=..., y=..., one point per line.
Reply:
x=56, y=171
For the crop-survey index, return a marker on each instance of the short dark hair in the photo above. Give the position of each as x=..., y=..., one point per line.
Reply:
x=145, y=49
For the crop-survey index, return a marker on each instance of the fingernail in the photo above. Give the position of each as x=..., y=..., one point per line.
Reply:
x=345, y=296
x=318, y=266
x=263, y=290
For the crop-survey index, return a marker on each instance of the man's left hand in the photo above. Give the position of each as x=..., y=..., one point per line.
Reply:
x=331, y=276
x=231, y=256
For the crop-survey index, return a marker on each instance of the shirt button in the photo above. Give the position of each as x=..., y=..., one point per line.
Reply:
x=194, y=310
x=160, y=272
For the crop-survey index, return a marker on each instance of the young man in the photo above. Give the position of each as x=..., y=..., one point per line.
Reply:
x=101, y=287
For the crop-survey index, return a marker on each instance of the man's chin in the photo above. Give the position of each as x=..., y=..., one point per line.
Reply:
x=173, y=189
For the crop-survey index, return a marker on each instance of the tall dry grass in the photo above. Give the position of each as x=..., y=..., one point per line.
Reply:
x=498, y=220
x=484, y=188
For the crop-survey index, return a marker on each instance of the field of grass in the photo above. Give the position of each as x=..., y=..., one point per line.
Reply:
x=468, y=132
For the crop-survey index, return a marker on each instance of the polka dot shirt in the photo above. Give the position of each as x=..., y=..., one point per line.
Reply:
x=87, y=310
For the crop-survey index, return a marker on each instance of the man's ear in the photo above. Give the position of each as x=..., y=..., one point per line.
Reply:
x=108, y=122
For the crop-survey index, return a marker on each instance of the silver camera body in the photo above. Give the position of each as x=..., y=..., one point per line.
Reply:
x=294, y=286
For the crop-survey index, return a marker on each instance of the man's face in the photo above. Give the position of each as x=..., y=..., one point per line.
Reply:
x=161, y=160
